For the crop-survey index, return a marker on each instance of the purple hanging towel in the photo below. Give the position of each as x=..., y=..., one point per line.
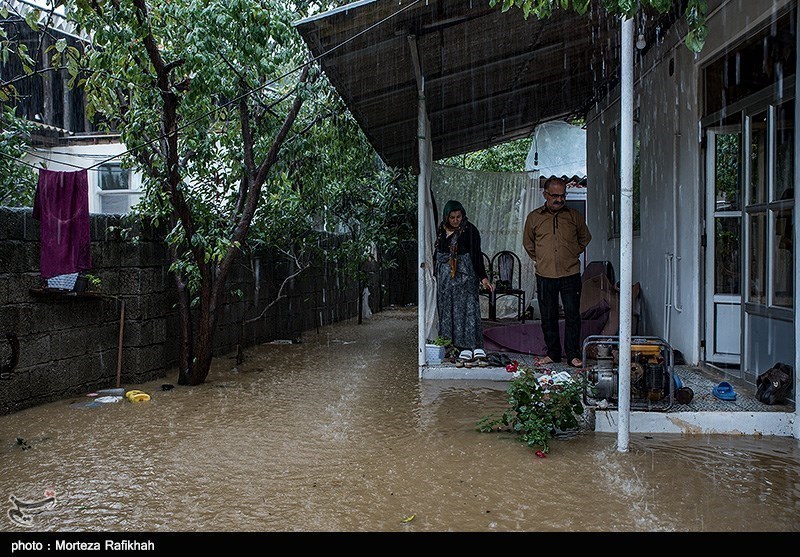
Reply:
x=61, y=204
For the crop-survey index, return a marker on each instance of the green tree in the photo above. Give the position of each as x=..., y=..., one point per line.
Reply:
x=336, y=186
x=506, y=157
x=28, y=49
x=695, y=12
x=205, y=94
x=208, y=97
x=17, y=181
x=351, y=191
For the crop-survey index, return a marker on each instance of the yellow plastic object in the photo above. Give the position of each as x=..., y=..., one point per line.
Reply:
x=646, y=349
x=136, y=395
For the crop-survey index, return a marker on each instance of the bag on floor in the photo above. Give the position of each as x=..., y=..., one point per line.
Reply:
x=775, y=384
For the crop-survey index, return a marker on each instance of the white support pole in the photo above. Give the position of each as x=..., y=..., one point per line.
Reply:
x=625, y=233
x=422, y=184
x=796, y=429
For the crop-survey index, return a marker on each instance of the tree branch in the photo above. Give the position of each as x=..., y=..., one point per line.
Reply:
x=281, y=295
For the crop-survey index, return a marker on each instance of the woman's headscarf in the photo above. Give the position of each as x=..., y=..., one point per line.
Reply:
x=449, y=207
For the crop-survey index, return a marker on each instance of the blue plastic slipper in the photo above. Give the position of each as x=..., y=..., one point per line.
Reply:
x=724, y=391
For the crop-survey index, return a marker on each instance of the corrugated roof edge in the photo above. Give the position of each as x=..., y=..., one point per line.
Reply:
x=345, y=8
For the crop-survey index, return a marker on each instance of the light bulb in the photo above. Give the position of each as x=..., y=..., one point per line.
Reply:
x=640, y=42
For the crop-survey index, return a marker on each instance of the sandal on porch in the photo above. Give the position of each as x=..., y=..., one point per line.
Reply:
x=465, y=355
x=479, y=354
x=724, y=391
x=495, y=359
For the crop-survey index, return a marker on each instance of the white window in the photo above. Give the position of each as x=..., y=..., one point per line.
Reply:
x=116, y=196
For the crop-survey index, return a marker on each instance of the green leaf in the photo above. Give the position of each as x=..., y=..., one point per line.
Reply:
x=61, y=45
x=581, y=6
x=661, y=5
x=32, y=19
x=628, y=7
x=695, y=40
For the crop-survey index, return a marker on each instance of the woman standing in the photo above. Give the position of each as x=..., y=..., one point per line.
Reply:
x=459, y=273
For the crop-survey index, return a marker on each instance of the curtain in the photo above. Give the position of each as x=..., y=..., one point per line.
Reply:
x=497, y=203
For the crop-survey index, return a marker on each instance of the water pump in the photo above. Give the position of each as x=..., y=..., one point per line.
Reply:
x=651, y=378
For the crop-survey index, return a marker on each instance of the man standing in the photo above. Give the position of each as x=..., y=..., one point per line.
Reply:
x=554, y=237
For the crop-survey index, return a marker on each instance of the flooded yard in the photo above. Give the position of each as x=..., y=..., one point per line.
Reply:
x=338, y=434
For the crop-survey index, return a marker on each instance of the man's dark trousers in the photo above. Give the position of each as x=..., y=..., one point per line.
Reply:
x=547, y=292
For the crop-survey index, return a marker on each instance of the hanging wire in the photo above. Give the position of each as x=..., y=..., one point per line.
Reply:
x=232, y=101
x=55, y=161
x=19, y=161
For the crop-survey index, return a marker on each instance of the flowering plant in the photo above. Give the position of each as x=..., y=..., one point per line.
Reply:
x=540, y=405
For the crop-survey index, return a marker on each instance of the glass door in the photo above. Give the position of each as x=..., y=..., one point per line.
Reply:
x=724, y=246
x=768, y=273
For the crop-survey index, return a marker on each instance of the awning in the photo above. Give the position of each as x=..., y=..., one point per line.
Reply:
x=490, y=76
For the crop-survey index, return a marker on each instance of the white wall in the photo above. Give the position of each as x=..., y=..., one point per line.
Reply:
x=669, y=114
x=71, y=158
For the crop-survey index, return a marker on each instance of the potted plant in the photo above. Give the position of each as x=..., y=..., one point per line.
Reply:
x=540, y=406
x=435, y=349
x=84, y=281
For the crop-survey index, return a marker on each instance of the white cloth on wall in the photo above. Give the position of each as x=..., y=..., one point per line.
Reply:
x=366, y=311
x=497, y=203
x=531, y=198
x=558, y=149
x=429, y=226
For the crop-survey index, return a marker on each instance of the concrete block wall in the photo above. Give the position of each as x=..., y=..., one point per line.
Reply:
x=69, y=344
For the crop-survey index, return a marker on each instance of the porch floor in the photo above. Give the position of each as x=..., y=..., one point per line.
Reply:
x=701, y=381
x=704, y=414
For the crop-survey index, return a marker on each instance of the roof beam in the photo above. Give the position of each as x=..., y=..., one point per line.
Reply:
x=483, y=100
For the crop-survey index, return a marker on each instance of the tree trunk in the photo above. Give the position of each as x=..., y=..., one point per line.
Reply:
x=185, y=343
x=204, y=350
x=211, y=289
x=360, y=301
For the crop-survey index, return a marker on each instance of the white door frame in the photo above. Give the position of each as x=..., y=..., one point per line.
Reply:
x=713, y=301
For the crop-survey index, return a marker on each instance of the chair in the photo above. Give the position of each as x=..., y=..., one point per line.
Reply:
x=487, y=262
x=594, y=268
x=508, y=270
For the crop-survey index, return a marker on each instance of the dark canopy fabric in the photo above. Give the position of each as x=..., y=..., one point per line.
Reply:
x=490, y=76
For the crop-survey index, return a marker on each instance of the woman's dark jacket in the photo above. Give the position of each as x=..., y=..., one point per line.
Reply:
x=468, y=242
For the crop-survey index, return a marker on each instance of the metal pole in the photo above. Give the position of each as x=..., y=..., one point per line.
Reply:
x=119, y=344
x=796, y=429
x=625, y=233
x=422, y=273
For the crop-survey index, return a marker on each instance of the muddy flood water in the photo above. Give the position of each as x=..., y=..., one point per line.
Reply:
x=338, y=434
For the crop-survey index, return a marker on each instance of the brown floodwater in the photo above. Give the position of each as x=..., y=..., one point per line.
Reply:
x=338, y=434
